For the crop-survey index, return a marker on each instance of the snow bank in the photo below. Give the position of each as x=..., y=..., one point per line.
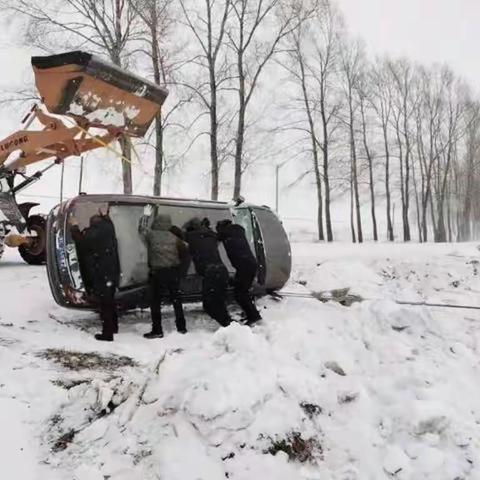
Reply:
x=316, y=392
x=384, y=390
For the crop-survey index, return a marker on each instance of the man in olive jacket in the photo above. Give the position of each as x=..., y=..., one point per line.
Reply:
x=166, y=253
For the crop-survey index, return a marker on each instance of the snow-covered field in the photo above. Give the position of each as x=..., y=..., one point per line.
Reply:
x=317, y=391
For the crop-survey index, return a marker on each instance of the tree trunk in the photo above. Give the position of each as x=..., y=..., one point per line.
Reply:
x=352, y=220
x=465, y=232
x=406, y=206
x=158, y=173
x=240, y=138
x=318, y=181
x=432, y=214
x=402, y=175
x=353, y=154
x=125, y=144
x=370, y=172
x=126, y=164
x=214, y=167
x=423, y=193
x=444, y=187
x=449, y=218
x=158, y=169
x=314, y=142
x=417, y=203
x=390, y=235
x=211, y=58
x=326, y=158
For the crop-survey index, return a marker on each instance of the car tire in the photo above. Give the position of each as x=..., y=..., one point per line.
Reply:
x=36, y=253
x=2, y=239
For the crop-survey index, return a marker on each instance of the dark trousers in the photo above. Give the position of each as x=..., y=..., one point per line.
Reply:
x=242, y=283
x=214, y=293
x=165, y=279
x=108, y=312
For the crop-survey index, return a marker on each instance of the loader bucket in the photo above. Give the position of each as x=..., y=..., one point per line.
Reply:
x=87, y=88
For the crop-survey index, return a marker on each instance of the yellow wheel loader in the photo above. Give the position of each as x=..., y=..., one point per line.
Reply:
x=87, y=103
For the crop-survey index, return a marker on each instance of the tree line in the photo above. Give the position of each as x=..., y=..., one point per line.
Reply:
x=380, y=132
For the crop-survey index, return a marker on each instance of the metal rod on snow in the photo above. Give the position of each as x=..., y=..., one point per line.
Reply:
x=439, y=305
x=398, y=302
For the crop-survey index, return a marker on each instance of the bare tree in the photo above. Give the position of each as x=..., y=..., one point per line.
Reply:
x=255, y=33
x=326, y=28
x=363, y=93
x=351, y=66
x=402, y=73
x=159, y=21
x=300, y=74
x=454, y=94
x=208, y=25
x=429, y=120
x=381, y=102
x=470, y=172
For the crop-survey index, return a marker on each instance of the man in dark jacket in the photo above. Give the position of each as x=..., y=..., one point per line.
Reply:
x=241, y=257
x=99, y=265
x=166, y=254
x=203, y=246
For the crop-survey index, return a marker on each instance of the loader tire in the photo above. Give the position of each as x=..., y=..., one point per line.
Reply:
x=35, y=254
x=2, y=238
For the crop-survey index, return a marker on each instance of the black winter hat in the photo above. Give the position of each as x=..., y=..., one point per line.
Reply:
x=223, y=224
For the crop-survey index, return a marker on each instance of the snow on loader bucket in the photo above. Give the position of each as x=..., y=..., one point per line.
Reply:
x=90, y=94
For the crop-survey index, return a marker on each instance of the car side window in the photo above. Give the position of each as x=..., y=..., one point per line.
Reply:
x=243, y=217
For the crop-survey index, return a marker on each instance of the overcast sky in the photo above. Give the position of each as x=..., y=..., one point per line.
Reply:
x=425, y=30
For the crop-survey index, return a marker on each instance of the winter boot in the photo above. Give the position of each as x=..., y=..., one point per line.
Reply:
x=157, y=331
x=115, y=325
x=253, y=320
x=103, y=337
x=151, y=335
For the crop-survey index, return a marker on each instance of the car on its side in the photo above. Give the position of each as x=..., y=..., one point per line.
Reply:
x=265, y=233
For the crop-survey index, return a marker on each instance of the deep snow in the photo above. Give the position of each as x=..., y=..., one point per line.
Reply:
x=376, y=390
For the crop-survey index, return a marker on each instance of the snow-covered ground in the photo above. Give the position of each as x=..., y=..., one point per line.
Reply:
x=318, y=391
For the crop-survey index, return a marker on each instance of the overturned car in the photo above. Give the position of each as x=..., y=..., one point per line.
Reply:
x=265, y=234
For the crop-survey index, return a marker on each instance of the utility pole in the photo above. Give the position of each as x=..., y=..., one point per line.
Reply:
x=277, y=183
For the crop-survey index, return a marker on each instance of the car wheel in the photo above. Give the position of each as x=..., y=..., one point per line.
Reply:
x=2, y=238
x=35, y=252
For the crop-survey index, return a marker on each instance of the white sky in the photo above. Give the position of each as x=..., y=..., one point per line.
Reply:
x=424, y=30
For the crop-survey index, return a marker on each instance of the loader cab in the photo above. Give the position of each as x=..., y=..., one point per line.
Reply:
x=264, y=231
